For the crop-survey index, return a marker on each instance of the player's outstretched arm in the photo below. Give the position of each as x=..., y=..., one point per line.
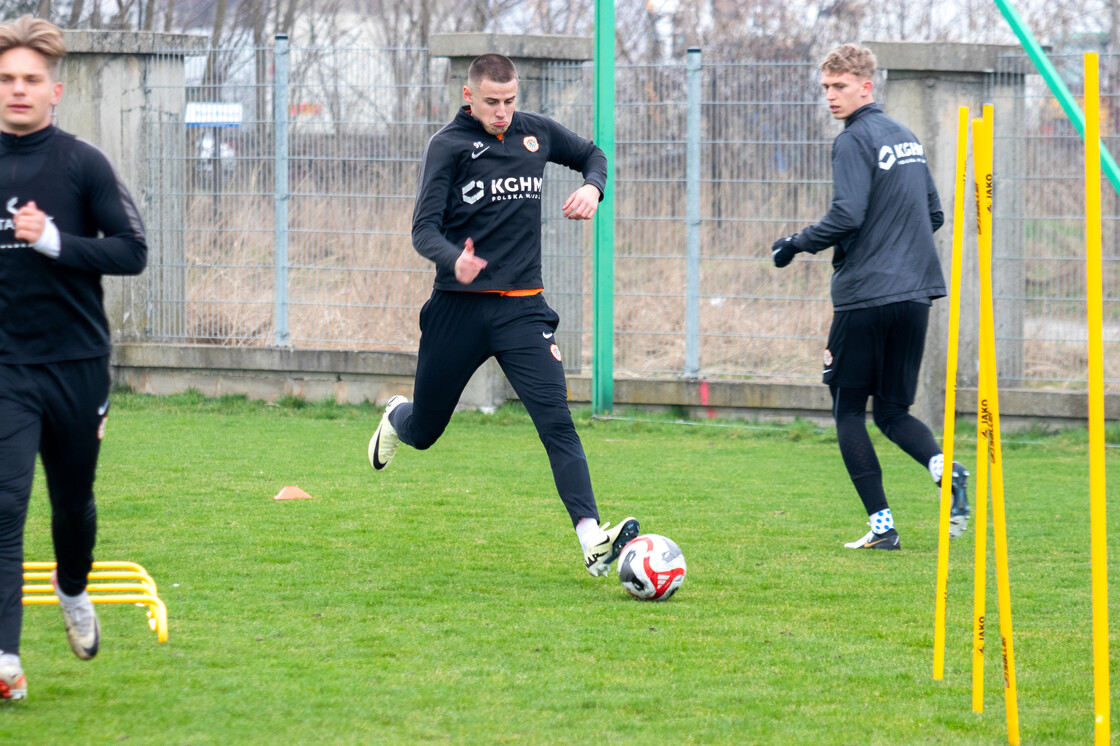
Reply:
x=570, y=150
x=122, y=247
x=582, y=203
x=436, y=173
x=851, y=192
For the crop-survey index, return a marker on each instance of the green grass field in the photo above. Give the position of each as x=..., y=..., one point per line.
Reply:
x=445, y=600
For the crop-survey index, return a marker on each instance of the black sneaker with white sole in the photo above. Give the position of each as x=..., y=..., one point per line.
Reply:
x=886, y=540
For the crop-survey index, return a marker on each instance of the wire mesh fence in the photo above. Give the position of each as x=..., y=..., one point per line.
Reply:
x=1039, y=230
x=321, y=256
x=356, y=123
x=764, y=168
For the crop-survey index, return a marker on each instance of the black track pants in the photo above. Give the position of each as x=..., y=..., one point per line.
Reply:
x=459, y=331
x=56, y=410
x=849, y=407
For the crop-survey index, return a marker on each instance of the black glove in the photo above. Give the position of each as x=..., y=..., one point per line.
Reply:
x=784, y=250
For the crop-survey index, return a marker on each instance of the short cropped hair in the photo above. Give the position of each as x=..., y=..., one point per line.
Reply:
x=37, y=35
x=494, y=67
x=850, y=58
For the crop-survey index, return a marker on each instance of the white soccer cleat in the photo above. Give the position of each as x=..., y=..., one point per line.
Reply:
x=83, y=629
x=599, y=556
x=13, y=684
x=383, y=444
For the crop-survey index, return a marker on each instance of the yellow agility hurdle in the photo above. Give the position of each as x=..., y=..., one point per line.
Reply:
x=138, y=589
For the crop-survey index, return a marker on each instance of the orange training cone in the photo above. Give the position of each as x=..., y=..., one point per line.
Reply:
x=292, y=493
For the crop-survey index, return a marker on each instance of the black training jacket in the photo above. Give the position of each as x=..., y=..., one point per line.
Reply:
x=884, y=212
x=52, y=309
x=475, y=185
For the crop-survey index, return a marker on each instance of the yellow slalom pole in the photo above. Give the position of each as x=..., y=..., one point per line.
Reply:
x=999, y=523
x=982, y=172
x=1097, y=527
x=942, y=593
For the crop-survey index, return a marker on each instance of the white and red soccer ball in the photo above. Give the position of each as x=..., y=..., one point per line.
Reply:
x=651, y=567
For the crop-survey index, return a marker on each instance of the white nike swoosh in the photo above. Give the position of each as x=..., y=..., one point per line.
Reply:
x=475, y=155
x=827, y=370
x=547, y=335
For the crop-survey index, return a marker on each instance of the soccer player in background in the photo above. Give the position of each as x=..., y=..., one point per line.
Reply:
x=477, y=216
x=69, y=221
x=886, y=274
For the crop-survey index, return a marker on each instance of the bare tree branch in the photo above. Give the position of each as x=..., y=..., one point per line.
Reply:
x=169, y=16
x=75, y=13
x=289, y=17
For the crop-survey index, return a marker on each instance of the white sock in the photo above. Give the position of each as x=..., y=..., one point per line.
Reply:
x=937, y=466
x=71, y=601
x=9, y=659
x=882, y=521
x=587, y=530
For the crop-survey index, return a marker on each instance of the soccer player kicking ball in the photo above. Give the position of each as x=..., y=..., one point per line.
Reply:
x=70, y=221
x=477, y=216
x=885, y=276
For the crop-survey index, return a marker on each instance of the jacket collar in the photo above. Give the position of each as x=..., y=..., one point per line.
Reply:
x=29, y=143
x=873, y=106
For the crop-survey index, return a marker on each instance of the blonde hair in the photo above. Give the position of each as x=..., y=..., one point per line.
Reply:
x=850, y=58
x=37, y=35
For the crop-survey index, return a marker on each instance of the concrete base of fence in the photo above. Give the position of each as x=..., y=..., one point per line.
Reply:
x=353, y=377
x=264, y=373
x=347, y=376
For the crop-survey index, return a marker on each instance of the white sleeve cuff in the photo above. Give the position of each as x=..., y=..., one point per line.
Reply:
x=49, y=243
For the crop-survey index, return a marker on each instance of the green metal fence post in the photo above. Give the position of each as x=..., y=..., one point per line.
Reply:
x=602, y=362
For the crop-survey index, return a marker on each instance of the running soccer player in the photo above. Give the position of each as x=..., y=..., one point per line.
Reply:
x=886, y=274
x=69, y=221
x=477, y=216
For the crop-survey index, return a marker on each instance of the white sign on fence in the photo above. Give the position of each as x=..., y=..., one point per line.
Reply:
x=213, y=114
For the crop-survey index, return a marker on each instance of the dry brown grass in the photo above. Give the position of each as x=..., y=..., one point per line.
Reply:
x=354, y=279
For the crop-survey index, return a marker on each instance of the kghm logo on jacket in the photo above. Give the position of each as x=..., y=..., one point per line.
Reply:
x=473, y=192
x=901, y=154
x=503, y=189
